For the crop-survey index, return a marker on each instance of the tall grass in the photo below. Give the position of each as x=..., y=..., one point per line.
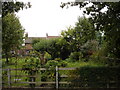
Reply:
x=82, y=63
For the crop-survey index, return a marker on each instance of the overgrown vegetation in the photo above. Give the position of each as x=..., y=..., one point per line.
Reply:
x=92, y=46
x=96, y=76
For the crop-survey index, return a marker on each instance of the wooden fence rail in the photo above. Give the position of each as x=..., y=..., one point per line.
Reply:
x=56, y=82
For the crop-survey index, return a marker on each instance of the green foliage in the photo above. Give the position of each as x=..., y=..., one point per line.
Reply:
x=35, y=41
x=12, y=34
x=57, y=62
x=91, y=45
x=88, y=49
x=51, y=63
x=30, y=67
x=64, y=49
x=107, y=22
x=84, y=30
x=44, y=75
x=80, y=34
x=49, y=75
x=34, y=54
x=63, y=63
x=57, y=48
x=96, y=77
x=53, y=48
x=75, y=56
x=12, y=7
x=47, y=56
x=58, y=59
x=72, y=40
x=41, y=45
x=102, y=55
x=17, y=63
x=82, y=64
x=79, y=39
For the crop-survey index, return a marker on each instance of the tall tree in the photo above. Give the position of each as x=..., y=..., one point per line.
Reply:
x=80, y=34
x=12, y=34
x=107, y=22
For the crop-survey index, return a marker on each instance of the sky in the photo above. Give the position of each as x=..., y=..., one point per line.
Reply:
x=46, y=16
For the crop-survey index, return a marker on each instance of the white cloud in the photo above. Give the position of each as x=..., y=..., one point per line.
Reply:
x=46, y=16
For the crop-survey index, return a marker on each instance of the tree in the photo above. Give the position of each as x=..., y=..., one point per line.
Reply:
x=77, y=38
x=80, y=34
x=63, y=48
x=12, y=34
x=46, y=45
x=40, y=46
x=107, y=22
x=12, y=7
x=56, y=47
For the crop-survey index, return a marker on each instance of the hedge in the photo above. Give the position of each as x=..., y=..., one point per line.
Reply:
x=99, y=76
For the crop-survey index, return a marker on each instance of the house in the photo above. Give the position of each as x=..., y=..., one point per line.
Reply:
x=28, y=42
x=28, y=45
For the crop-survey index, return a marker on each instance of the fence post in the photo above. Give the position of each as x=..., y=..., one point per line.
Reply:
x=56, y=77
x=9, y=77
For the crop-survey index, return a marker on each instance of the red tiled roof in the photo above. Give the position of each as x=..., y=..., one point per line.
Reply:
x=53, y=36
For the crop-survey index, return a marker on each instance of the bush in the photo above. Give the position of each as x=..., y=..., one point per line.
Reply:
x=30, y=67
x=51, y=63
x=75, y=56
x=47, y=56
x=58, y=59
x=99, y=76
x=57, y=62
x=63, y=63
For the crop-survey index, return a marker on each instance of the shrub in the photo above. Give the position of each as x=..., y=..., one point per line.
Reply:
x=57, y=62
x=51, y=63
x=75, y=56
x=97, y=76
x=58, y=59
x=30, y=67
x=63, y=63
x=47, y=56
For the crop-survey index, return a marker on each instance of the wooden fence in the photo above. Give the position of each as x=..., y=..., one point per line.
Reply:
x=56, y=82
